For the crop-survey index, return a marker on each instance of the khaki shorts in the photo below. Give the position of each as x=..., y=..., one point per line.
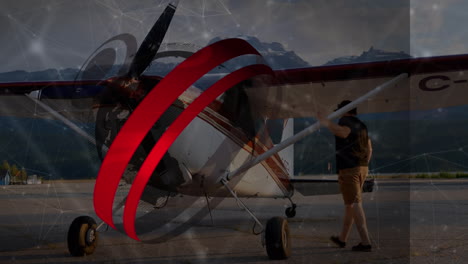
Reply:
x=351, y=182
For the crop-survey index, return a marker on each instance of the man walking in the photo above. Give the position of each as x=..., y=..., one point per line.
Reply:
x=353, y=152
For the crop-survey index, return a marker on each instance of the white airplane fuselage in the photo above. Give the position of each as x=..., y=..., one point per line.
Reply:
x=210, y=146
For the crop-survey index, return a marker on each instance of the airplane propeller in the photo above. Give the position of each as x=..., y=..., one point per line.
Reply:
x=124, y=89
x=150, y=46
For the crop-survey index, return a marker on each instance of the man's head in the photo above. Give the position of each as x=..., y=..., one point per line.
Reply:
x=346, y=102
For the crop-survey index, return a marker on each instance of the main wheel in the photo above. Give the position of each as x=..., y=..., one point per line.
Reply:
x=277, y=238
x=82, y=236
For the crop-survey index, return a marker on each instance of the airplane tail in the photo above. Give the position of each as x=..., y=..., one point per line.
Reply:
x=287, y=154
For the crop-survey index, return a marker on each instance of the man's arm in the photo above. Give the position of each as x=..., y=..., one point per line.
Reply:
x=337, y=130
x=369, y=150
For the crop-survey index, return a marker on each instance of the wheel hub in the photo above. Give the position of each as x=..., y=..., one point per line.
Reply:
x=90, y=236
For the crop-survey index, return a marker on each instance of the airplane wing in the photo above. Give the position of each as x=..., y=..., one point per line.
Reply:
x=434, y=82
x=72, y=99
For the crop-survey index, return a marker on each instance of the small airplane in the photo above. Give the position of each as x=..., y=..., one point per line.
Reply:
x=161, y=137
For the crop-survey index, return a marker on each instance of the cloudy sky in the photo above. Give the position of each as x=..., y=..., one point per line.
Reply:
x=43, y=34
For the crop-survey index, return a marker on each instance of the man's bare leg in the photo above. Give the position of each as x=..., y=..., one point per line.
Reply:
x=361, y=223
x=347, y=222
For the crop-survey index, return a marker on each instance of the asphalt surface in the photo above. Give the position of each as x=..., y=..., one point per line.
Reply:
x=422, y=222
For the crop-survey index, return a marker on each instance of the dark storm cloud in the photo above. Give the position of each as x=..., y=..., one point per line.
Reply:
x=58, y=34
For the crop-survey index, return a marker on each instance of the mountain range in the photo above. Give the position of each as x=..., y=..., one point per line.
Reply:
x=368, y=56
x=274, y=53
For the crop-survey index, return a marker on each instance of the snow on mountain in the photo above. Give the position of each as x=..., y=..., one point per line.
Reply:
x=274, y=53
x=368, y=56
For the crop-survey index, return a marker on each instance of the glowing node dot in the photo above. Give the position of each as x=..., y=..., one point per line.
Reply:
x=37, y=47
x=206, y=35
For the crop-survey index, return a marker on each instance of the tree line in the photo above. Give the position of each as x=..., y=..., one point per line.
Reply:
x=17, y=175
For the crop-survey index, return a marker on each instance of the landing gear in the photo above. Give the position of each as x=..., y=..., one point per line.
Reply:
x=82, y=236
x=277, y=238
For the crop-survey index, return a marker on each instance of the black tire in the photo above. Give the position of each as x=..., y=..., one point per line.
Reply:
x=368, y=186
x=277, y=238
x=290, y=212
x=82, y=236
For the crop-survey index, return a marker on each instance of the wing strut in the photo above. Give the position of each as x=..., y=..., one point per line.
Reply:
x=226, y=184
x=311, y=129
x=62, y=118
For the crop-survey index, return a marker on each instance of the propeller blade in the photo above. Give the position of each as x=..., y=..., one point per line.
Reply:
x=152, y=42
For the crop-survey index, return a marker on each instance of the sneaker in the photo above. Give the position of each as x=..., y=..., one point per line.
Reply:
x=337, y=241
x=362, y=248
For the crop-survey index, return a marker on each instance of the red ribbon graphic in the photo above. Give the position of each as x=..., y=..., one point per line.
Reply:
x=150, y=110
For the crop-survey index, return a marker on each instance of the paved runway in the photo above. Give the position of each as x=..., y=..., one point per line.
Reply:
x=425, y=222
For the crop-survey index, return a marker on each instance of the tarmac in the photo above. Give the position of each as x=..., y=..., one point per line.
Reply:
x=422, y=221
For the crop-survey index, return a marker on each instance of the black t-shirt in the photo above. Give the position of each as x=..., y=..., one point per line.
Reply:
x=352, y=151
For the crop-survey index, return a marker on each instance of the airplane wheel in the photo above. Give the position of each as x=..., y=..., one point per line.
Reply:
x=277, y=238
x=290, y=212
x=82, y=236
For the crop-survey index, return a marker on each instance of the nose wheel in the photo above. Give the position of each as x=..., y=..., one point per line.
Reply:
x=291, y=211
x=82, y=236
